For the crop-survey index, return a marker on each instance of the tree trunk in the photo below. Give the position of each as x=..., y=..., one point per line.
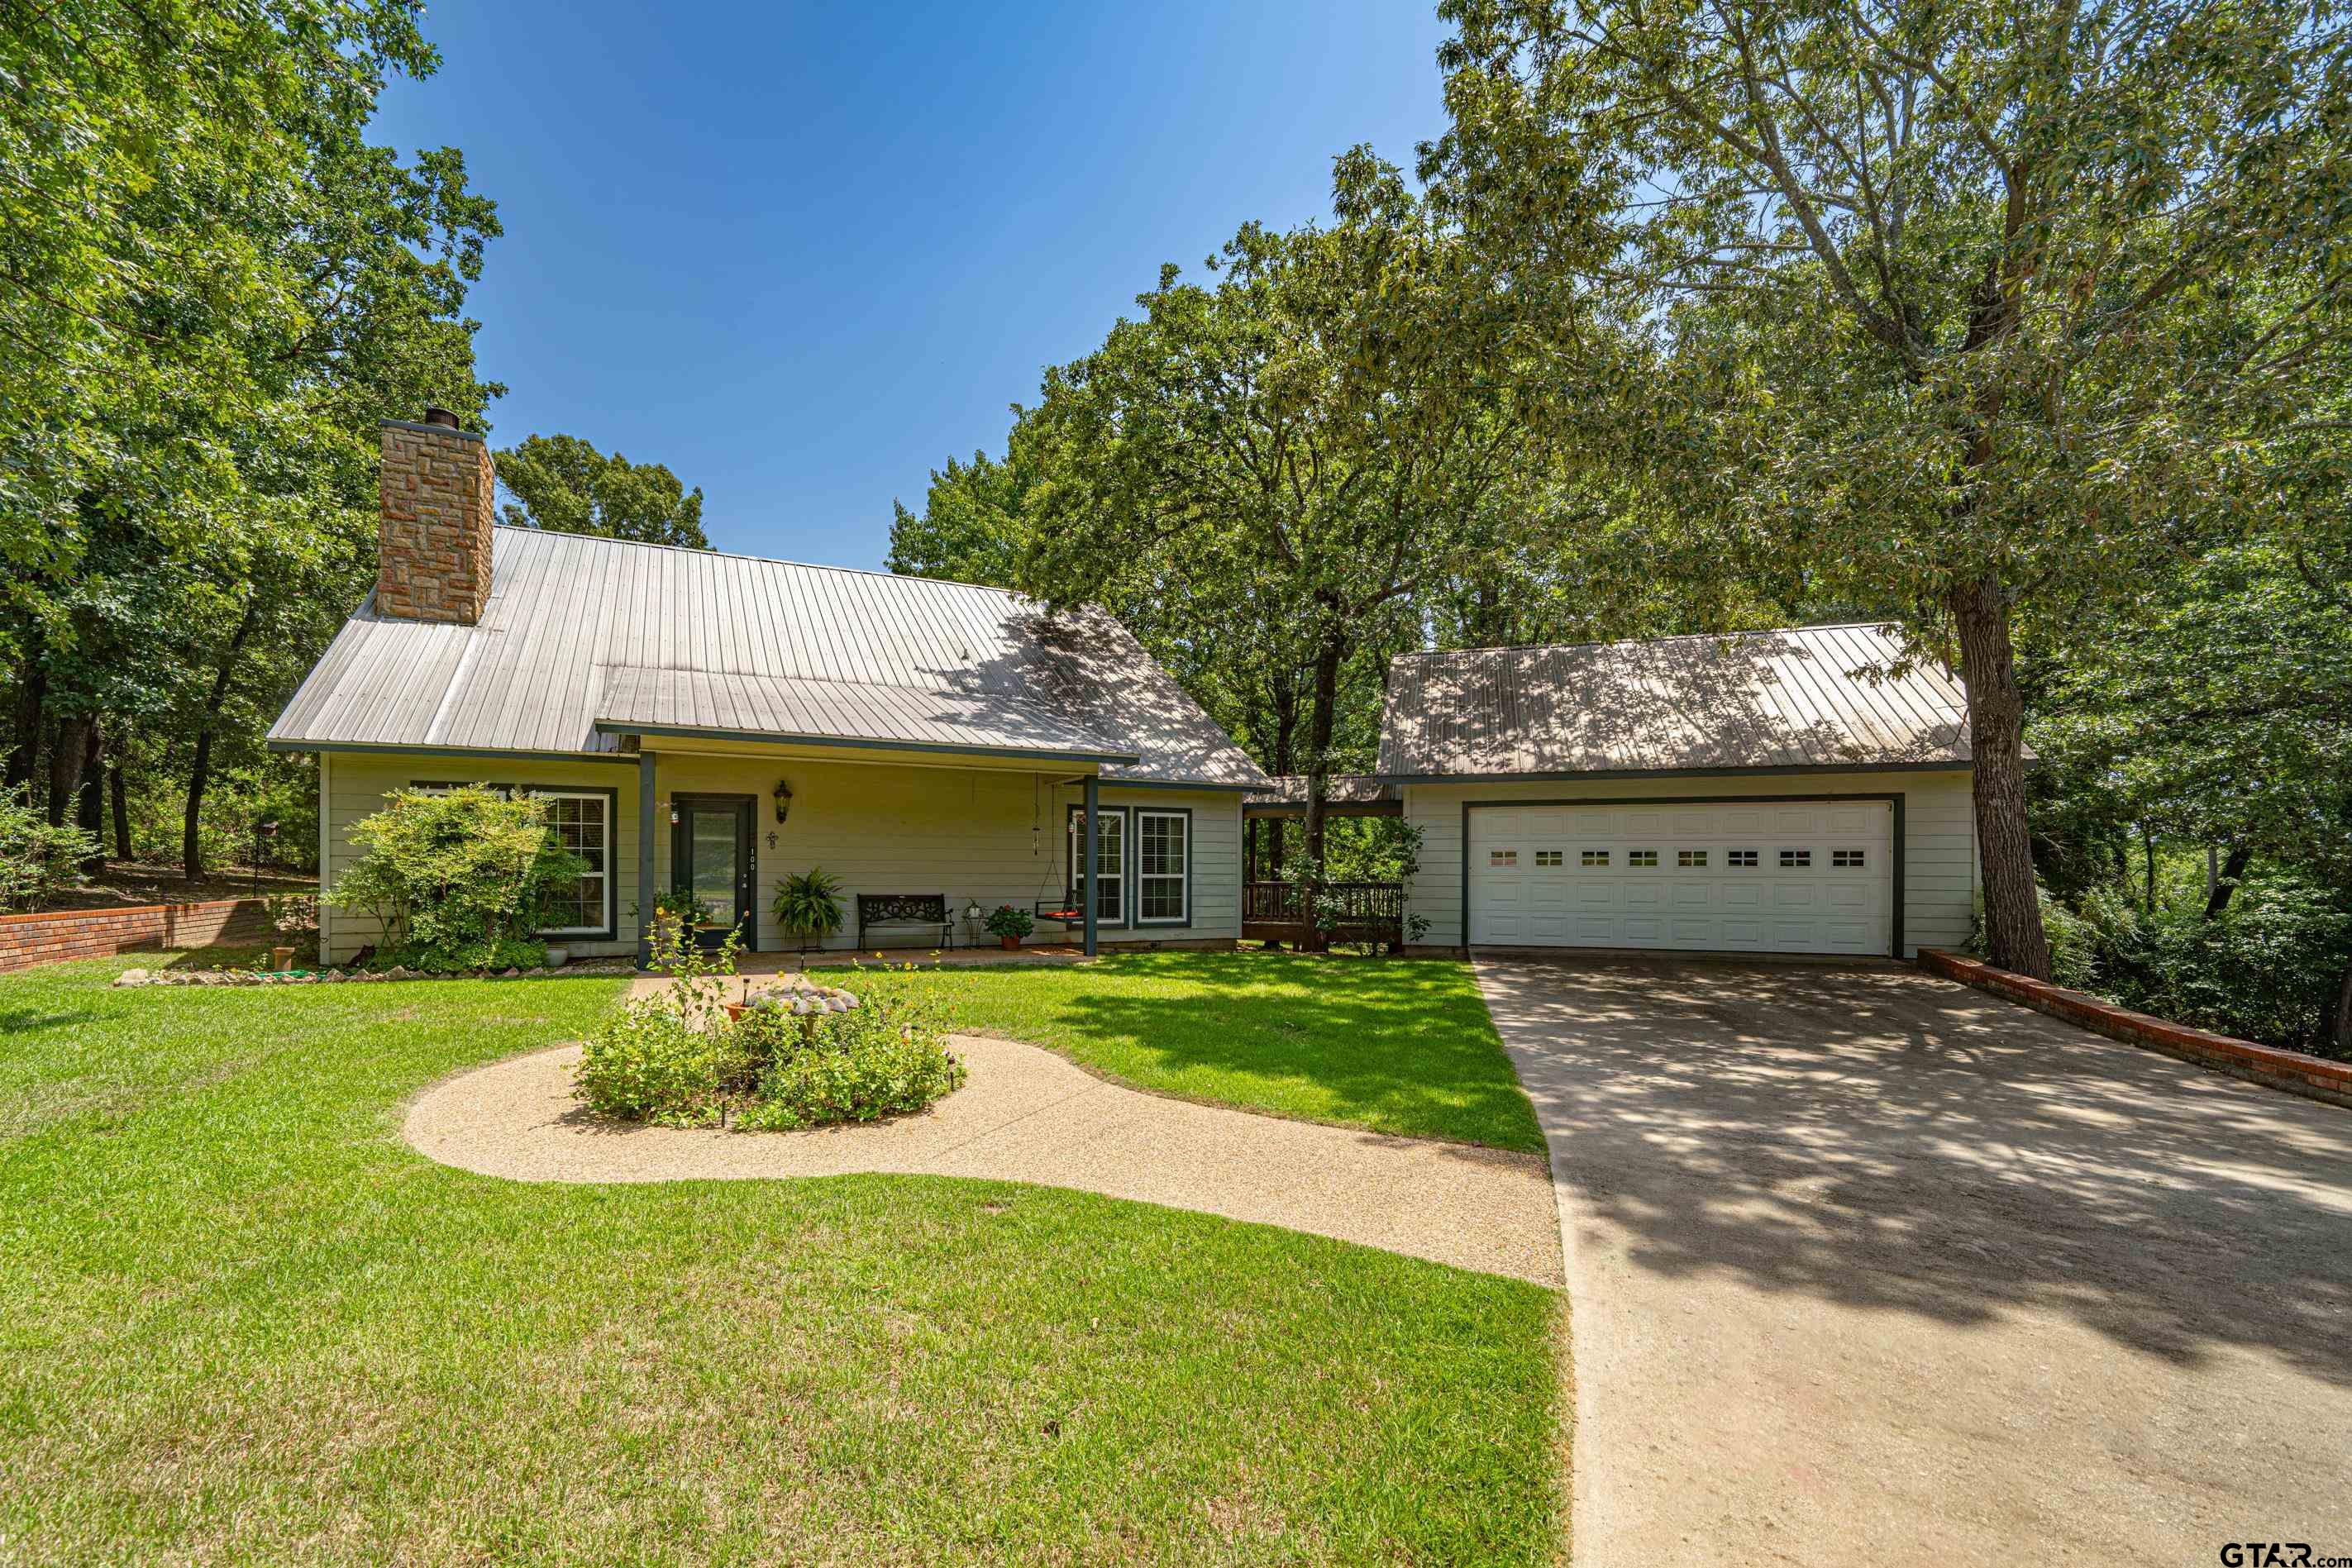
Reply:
x=2232, y=870
x=1285, y=737
x=89, y=806
x=2343, y=1029
x=2147, y=864
x=25, y=739
x=1327, y=660
x=121, y=801
x=2014, y=935
x=69, y=750
x=200, y=770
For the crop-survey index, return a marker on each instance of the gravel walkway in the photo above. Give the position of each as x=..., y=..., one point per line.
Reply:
x=1027, y=1114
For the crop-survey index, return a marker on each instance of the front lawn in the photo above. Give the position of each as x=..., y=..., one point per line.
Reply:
x=1396, y=1045
x=241, y=1321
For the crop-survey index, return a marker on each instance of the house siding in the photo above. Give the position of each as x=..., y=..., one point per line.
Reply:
x=1939, y=861
x=963, y=833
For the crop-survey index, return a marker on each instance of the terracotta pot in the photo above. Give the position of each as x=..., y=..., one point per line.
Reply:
x=284, y=957
x=734, y=1011
x=1011, y=944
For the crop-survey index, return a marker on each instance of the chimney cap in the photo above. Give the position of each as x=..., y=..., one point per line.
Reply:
x=435, y=415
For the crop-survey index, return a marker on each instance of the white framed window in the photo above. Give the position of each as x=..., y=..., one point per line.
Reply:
x=1110, y=870
x=1593, y=857
x=1846, y=860
x=1163, y=867
x=1740, y=857
x=1547, y=857
x=1641, y=857
x=1795, y=860
x=1503, y=858
x=1690, y=858
x=583, y=824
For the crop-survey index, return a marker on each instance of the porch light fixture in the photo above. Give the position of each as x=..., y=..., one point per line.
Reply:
x=784, y=800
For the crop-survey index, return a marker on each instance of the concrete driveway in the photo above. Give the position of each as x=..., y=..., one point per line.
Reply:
x=1866, y=1267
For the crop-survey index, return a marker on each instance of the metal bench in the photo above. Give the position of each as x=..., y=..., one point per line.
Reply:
x=928, y=909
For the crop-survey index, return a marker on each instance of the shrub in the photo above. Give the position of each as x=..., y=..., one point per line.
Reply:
x=36, y=859
x=1011, y=920
x=884, y=1058
x=2265, y=970
x=649, y=1064
x=662, y=1059
x=458, y=879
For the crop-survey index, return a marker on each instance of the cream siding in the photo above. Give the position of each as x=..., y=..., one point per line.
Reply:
x=1939, y=862
x=963, y=833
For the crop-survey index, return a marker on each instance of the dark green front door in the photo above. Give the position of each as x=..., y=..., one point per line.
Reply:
x=710, y=857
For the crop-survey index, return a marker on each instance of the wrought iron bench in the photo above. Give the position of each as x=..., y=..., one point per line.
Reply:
x=924, y=909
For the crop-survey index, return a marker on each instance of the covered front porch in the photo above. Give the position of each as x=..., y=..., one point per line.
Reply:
x=1275, y=910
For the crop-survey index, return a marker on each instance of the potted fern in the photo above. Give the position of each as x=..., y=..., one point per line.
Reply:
x=809, y=906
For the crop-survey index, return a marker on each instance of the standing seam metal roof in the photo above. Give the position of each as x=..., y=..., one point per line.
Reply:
x=581, y=632
x=1814, y=696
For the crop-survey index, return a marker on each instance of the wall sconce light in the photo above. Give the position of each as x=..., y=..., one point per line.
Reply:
x=784, y=800
x=673, y=813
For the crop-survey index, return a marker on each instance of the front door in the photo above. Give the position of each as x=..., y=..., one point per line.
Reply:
x=710, y=857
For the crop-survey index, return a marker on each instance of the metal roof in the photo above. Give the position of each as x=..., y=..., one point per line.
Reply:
x=1815, y=696
x=584, y=638
x=1357, y=794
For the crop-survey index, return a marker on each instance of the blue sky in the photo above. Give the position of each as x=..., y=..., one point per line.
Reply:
x=803, y=254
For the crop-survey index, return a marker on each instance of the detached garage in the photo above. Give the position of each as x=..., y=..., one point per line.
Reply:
x=1765, y=792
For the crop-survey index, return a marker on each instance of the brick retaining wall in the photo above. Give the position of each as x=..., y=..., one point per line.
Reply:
x=2314, y=1077
x=49, y=938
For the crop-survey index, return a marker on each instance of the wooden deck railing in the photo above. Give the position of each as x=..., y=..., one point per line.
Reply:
x=1370, y=912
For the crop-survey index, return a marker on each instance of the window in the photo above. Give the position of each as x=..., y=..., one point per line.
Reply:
x=1110, y=871
x=1690, y=857
x=583, y=824
x=1593, y=857
x=1795, y=859
x=1502, y=858
x=1740, y=857
x=1850, y=860
x=1547, y=857
x=1641, y=857
x=1163, y=847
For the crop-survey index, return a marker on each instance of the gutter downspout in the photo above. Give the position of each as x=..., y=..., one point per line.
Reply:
x=644, y=859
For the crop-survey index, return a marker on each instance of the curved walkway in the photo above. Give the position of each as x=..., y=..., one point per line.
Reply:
x=1027, y=1114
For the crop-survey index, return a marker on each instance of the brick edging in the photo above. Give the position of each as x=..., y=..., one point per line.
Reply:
x=2293, y=1071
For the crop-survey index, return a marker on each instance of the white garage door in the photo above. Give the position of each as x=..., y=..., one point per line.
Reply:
x=1804, y=877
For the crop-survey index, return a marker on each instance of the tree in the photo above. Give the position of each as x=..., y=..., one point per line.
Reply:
x=561, y=483
x=211, y=288
x=1979, y=312
x=974, y=527
x=1318, y=435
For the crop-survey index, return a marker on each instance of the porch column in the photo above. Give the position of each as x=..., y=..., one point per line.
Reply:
x=645, y=858
x=1093, y=857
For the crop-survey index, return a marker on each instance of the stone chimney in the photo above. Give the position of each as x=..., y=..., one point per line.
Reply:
x=433, y=543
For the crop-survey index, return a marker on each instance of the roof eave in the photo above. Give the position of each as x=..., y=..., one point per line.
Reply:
x=860, y=743
x=1752, y=771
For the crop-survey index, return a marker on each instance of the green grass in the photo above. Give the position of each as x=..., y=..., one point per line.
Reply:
x=1396, y=1045
x=241, y=1321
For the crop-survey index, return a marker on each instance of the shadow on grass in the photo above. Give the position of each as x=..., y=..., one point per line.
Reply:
x=1396, y=1045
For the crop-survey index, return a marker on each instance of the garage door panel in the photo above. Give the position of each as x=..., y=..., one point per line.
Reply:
x=1801, y=878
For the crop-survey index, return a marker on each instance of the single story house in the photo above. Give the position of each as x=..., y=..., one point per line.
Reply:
x=713, y=722
x=1770, y=791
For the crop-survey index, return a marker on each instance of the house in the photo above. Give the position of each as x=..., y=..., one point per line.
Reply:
x=716, y=722
x=1775, y=792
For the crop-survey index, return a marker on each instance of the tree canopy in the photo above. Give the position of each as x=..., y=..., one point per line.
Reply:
x=563, y=483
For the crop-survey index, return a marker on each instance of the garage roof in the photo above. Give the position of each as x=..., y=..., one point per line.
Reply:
x=586, y=638
x=1808, y=697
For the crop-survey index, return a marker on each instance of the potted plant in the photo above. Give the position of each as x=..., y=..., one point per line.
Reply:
x=809, y=905
x=1011, y=924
